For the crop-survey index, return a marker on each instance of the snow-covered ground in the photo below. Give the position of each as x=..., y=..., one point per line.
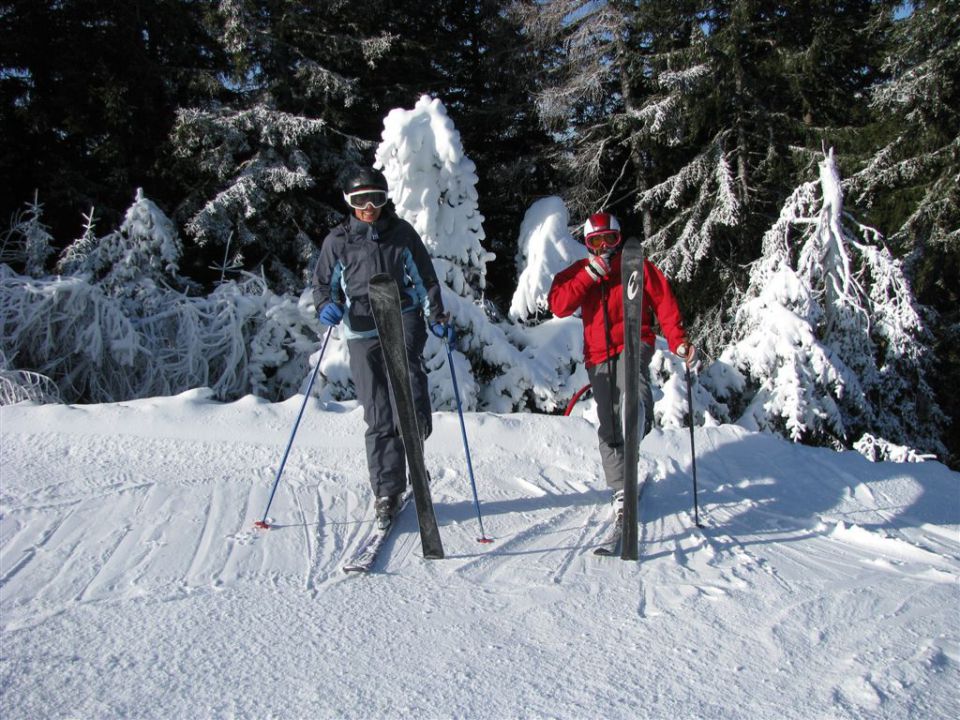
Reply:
x=133, y=585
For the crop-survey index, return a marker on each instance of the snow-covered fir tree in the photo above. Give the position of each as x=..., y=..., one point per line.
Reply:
x=143, y=253
x=433, y=187
x=829, y=343
x=74, y=257
x=28, y=242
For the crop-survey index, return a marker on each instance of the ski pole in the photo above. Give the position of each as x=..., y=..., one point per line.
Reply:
x=466, y=446
x=693, y=453
x=262, y=524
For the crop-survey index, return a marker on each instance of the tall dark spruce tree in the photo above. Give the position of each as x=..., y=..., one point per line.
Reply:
x=592, y=79
x=912, y=179
x=262, y=167
x=88, y=95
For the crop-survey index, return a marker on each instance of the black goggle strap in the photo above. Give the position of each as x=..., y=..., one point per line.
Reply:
x=359, y=199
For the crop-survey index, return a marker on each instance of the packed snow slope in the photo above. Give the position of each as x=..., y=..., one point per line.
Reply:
x=135, y=586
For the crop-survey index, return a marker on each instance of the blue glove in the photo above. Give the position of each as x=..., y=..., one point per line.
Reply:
x=444, y=331
x=331, y=314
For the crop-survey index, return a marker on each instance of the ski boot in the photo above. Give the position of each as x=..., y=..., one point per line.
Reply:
x=385, y=509
x=616, y=507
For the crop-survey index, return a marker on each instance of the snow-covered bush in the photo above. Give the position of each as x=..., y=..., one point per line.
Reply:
x=115, y=326
x=23, y=385
x=879, y=450
x=96, y=347
x=544, y=248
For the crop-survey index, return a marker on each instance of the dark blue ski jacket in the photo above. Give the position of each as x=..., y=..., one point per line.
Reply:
x=355, y=251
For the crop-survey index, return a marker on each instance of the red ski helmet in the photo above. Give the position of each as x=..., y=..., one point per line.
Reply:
x=600, y=224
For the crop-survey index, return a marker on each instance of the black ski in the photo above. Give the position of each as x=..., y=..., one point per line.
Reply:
x=385, y=304
x=632, y=279
x=366, y=558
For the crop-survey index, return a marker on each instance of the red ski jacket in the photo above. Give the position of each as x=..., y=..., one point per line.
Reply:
x=575, y=288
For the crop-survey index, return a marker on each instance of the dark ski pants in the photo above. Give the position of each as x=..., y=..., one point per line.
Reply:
x=607, y=381
x=386, y=461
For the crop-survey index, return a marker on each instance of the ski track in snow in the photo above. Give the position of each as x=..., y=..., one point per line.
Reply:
x=819, y=586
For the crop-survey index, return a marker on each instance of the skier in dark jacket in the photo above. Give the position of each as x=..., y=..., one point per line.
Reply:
x=593, y=286
x=372, y=241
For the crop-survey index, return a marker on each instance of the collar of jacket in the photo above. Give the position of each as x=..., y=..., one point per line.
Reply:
x=358, y=227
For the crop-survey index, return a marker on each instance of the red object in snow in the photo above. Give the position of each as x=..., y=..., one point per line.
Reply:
x=575, y=399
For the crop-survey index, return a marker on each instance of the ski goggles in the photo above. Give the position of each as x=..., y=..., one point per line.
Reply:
x=362, y=198
x=601, y=240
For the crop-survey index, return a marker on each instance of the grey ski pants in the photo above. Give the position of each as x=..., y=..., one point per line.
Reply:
x=386, y=462
x=607, y=381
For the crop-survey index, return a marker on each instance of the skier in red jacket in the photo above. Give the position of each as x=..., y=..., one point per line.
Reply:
x=593, y=286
